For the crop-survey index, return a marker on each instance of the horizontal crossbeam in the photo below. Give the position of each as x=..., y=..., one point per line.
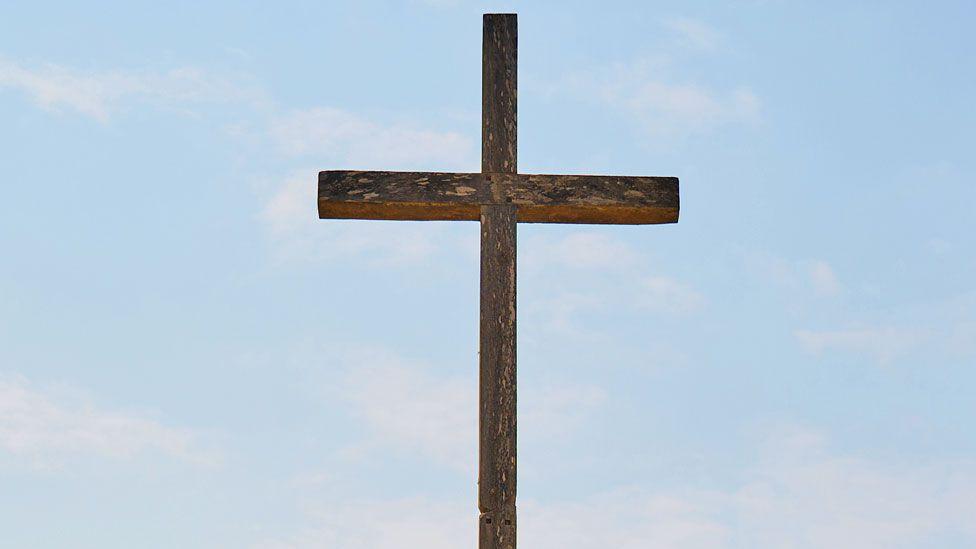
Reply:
x=433, y=196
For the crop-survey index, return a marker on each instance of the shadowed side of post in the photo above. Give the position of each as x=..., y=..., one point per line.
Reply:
x=497, y=425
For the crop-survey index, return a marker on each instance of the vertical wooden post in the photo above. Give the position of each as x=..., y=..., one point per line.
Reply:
x=496, y=424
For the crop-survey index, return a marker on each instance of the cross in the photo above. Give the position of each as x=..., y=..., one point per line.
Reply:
x=498, y=197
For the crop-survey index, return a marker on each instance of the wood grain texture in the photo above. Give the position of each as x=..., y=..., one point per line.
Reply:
x=499, y=93
x=497, y=421
x=541, y=198
x=401, y=195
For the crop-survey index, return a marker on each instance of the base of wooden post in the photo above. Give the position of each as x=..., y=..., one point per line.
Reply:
x=496, y=530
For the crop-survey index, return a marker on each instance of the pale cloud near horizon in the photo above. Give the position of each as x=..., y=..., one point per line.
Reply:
x=410, y=409
x=47, y=427
x=100, y=94
x=797, y=493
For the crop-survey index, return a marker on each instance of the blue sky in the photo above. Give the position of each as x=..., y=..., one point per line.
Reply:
x=189, y=358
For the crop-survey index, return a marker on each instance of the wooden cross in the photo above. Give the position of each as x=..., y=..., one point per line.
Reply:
x=498, y=197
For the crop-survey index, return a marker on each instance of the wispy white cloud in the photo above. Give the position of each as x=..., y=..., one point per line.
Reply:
x=577, y=250
x=813, y=277
x=297, y=235
x=410, y=409
x=693, y=106
x=803, y=495
x=942, y=331
x=47, y=427
x=596, y=272
x=99, y=94
x=797, y=494
x=354, y=142
x=665, y=107
x=684, y=109
x=341, y=139
x=883, y=344
x=565, y=312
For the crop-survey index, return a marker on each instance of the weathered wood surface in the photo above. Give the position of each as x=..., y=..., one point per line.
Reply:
x=499, y=93
x=458, y=196
x=497, y=422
